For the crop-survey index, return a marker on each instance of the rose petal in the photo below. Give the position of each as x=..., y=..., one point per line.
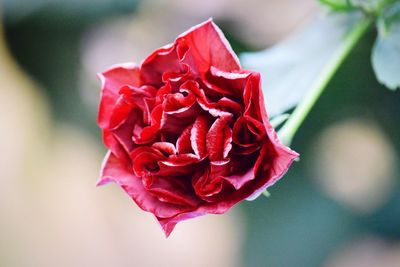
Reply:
x=111, y=82
x=165, y=147
x=229, y=105
x=145, y=161
x=271, y=165
x=207, y=185
x=216, y=139
x=125, y=131
x=150, y=132
x=206, y=46
x=253, y=98
x=183, y=143
x=198, y=136
x=176, y=122
x=226, y=83
x=238, y=180
x=120, y=112
x=178, y=103
x=249, y=134
x=174, y=191
x=181, y=160
x=116, y=148
x=160, y=61
x=114, y=171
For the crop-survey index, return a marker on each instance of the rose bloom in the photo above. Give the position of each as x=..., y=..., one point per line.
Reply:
x=187, y=130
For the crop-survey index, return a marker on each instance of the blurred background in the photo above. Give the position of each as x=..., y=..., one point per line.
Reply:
x=339, y=206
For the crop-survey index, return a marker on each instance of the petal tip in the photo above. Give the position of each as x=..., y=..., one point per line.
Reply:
x=103, y=181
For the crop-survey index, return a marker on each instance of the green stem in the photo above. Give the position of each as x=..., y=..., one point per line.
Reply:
x=295, y=120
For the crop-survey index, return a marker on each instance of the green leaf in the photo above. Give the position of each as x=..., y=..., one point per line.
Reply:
x=290, y=67
x=368, y=5
x=386, y=51
x=338, y=5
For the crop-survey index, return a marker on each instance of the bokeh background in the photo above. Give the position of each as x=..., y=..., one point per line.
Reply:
x=339, y=206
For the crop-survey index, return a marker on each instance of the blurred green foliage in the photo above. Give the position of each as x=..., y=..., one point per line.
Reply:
x=298, y=225
x=73, y=11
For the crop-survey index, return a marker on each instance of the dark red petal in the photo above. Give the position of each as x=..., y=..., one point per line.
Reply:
x=273, y=162
x=226, y=83
x=183, y=144
x=126, y=130
x=120, y=112
x=219, y=207
x=198, y=136
x=163, y=92
x=165, y=147
x=111, y=82
x=174, y=191
x=205, y=45
x=175, y=79
x=248, y=134
x=141, y=97
x=238, y=180
x=213, y=108
x=230, y=105
x=145, y=161
x=178, y=166
x=216, y=139
x=114, y=171
x=175, y=122
x=207, y=185
x=162, y=60
x=253, y=98
x=116, y=148
x=181, y=159
x=150, y=132
x=178, y=103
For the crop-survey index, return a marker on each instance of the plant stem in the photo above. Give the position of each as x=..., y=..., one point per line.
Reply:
x=295, y=120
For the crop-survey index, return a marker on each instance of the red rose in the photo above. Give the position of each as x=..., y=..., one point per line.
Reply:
x=187, y=130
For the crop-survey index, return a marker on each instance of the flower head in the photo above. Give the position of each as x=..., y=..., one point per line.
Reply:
x=187, y=130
